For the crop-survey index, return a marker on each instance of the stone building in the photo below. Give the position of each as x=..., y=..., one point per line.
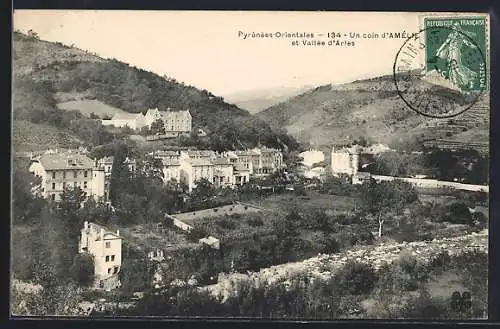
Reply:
x=70, y=169
x=106, y=248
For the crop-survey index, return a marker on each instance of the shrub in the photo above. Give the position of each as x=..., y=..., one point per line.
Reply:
x=440, y=262
x=82, y=269
x=226, y=223
x=255, y=221
x=355, y=278
x=196, y=234
x=407, y=262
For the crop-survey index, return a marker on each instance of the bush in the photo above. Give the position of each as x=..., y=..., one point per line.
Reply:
x=355, y=278
x=440, y=262
x=82, y=269
x=407, y=262
x=196, y=234
x=226, y=223
x=255, y=221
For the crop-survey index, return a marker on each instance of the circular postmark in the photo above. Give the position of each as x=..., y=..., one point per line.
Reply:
x=440, y=72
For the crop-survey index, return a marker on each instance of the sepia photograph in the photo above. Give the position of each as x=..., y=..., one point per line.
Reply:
x=258, y=165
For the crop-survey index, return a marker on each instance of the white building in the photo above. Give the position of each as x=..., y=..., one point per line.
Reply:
x=106, y=248
x=223, y=172
x=311, y=157
x=171, y=170
x=175, y=121
x=345, y=160
x=58, y=171
x=261, y=161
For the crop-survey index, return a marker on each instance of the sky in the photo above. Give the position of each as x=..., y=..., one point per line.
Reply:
x=204, y=49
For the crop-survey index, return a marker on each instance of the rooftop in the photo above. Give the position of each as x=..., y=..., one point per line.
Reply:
x=96, y=230
x=200, y=162
x=59, y=161
x=221, y=161
x=170, y=162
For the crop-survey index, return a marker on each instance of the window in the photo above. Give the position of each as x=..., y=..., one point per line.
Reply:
x=64, y=174
x=85, y=174
x=64, y=185
x=75, y=184
x=53, y=175
x=53, y=186
x=107, y=258
x=109, y=270
x=115, y=270
x=75, y=174
x=53, y=197
x=101, y=284
x=112, y=258
x=84, y=184
x=108, y=244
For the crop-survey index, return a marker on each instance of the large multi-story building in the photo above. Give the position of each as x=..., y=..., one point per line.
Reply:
x=345, y=160
x=106, y=249
x=175, y=121
x=261, y=161
x=58, y=171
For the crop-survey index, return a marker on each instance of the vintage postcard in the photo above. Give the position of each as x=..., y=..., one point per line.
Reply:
x=276, y=165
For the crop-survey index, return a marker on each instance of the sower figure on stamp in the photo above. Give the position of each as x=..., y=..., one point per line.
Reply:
x=451, y=50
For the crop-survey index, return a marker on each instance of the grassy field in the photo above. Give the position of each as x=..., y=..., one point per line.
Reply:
x=86, y=107
x=192, y=217
x=314, y=200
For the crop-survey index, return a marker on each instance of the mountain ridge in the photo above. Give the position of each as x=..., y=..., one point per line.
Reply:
x=372, y=109
x=45, y=70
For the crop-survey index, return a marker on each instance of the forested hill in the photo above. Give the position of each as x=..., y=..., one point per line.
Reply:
x=47, y=73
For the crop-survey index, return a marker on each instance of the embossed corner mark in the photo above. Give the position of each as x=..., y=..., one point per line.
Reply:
x=441, y=71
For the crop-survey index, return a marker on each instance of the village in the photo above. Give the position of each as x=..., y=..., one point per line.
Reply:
x=161, y=183
x=60, y=170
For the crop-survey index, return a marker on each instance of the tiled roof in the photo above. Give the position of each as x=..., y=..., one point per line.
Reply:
x=221, y=161
x=126, y=116
x=106, y=159
x=170, y=162
x=65, y=161
x=96, y=229
x=206, y=153
x=201, y=162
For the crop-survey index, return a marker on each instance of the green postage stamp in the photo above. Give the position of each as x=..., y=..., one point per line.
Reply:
x=442, y=70
x=456, y=48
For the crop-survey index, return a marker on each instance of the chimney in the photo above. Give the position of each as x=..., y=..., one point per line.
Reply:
x=85, y=225
x=102, y=234
x=118, y=232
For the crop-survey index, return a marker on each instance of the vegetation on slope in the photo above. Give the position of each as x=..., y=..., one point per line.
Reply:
x=369, y=108
x=134, y=90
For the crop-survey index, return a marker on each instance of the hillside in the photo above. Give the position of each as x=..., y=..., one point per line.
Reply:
x=255, y=101
x=373, y=109
x=46, y=74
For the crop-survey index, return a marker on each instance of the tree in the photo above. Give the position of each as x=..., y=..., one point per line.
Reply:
x=158, y=127
x=71, y=201
x=82, y=270
x=204, y=190
x=120, y=175
x=379, y=199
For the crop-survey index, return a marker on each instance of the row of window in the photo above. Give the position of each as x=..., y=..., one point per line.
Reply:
x=75, y=185
x=114, y=269
x=110, y=258
x=75, y=174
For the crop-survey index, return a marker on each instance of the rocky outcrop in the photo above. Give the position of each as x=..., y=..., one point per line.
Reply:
x=322, y=267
